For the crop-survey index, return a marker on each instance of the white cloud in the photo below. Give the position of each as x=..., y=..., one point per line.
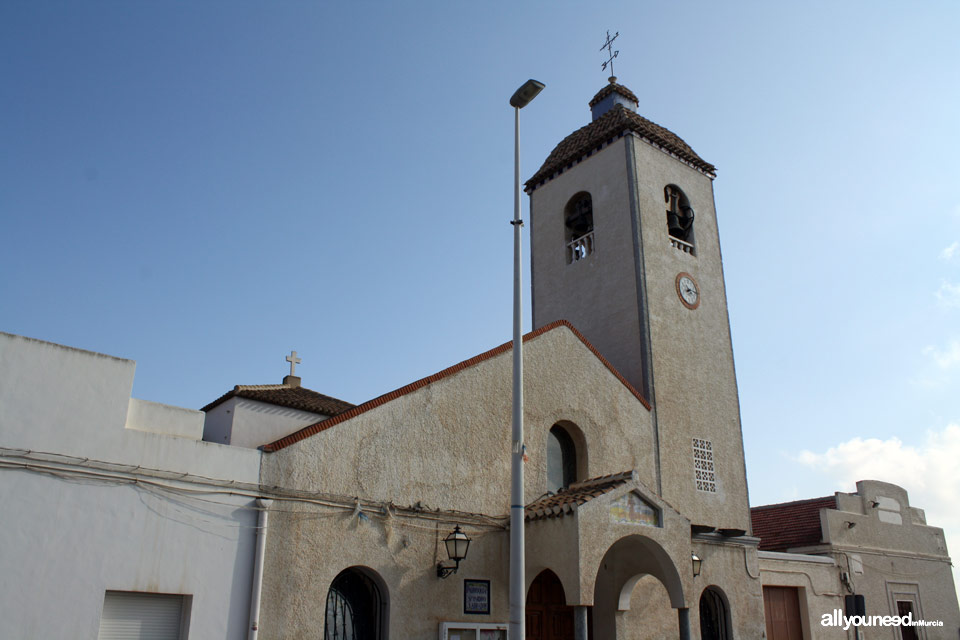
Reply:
x=951, y=252
x=946, y=359
x=948, y=295
x=927, y=472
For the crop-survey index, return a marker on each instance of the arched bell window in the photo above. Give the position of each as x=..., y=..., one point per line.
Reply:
x=679, y=218
x=578, y=226
x=561, y=459
x=355, y=607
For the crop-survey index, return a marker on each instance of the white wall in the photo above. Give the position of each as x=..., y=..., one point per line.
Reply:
x=241, y=422
x=66, y=540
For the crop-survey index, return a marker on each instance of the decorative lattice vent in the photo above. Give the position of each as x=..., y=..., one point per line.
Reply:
x=703, y=468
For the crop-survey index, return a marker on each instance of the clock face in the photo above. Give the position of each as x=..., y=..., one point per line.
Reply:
x=688, y=290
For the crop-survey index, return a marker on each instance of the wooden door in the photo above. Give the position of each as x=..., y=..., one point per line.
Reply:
x=781, y=608
x=548, y=616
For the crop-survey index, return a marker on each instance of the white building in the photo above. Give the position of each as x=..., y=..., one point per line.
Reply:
x=115, y=511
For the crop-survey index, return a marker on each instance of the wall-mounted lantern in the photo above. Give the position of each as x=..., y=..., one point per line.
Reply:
x=457, y=544
x=696, y=564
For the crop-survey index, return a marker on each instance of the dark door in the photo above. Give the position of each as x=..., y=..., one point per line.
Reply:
x=548, y=616
x=781, y=607
x=905, y=607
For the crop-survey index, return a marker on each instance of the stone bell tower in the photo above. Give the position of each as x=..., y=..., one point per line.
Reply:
x=624, y=245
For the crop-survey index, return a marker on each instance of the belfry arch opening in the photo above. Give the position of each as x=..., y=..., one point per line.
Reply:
x=356, y=606
x=680, y=216
x=578, y=227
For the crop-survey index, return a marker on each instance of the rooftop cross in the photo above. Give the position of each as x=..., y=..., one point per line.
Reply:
x=608, y=45
x=293, y=360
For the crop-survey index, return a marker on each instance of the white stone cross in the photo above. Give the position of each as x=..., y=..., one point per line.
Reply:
x=293, y=360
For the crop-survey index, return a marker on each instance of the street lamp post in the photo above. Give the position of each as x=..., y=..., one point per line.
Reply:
x=516, y=630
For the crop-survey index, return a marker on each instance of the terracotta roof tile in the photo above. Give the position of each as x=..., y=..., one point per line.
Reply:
x=790, y=524
x=314, y=429
x=286, y=396
x=567, y=500
x=613, y=124
x=610, y=88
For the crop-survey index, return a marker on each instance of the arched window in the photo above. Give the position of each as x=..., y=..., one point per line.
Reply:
x=679, y=218
x=355, y=607
x=561, y=459
x=578, y=224
x=714, y=615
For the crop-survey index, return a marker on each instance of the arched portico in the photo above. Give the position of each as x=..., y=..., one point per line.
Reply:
x=627, y=561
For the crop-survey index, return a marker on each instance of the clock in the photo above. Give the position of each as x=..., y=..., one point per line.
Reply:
x=688, y=291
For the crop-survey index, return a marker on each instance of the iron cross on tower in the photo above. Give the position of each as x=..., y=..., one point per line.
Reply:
x=293, y=360
x=608, y=45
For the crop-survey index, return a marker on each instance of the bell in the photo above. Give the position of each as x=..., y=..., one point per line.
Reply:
x=674, y=226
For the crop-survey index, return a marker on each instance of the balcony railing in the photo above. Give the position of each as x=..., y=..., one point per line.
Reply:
x=580, y=248
x=684, y=246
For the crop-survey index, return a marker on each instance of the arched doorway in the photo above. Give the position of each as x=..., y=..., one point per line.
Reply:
x=356, y=607
x=548, y=616
x=714, y=615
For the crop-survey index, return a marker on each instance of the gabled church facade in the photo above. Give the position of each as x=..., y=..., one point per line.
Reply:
x=278, y=512
x=635, y=468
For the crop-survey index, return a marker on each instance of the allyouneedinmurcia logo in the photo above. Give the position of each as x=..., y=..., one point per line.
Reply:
x=837, y=619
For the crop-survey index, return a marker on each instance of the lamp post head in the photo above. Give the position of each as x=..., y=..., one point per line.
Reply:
x=525, y=94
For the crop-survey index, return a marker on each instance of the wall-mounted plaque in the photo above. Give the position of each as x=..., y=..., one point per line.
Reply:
x=476, y=596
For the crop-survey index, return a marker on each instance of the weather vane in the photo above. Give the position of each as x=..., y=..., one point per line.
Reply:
x=608, y=45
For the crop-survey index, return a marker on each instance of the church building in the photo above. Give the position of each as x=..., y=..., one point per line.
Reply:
x=389, y=519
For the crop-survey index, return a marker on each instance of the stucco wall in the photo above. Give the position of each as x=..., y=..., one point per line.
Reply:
x=597, y=294
x=75, y=523
x=890, y=553
x=819, y=590
x=164, y=419
x=446, y=446
x=693, y=373
x=66, y=543
x=691, y=355
x=732, y=568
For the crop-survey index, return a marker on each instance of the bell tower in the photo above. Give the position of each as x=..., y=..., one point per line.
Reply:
x=624, y=245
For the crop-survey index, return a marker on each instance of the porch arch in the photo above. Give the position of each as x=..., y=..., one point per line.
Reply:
x=627, y=561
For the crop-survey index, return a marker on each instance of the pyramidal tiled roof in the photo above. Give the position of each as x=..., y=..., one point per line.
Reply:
x=790, y=524
x=611, y=125
x=283, y=395
x=610, y=88
x=567, y=500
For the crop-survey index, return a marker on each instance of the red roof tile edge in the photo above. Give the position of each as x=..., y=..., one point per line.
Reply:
x=316, y=428
x=777, y=505
x=788, y=525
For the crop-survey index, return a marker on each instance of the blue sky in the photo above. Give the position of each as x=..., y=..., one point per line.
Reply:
x=202, y=187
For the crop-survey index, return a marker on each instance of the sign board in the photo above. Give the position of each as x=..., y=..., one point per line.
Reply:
x=476, y=596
